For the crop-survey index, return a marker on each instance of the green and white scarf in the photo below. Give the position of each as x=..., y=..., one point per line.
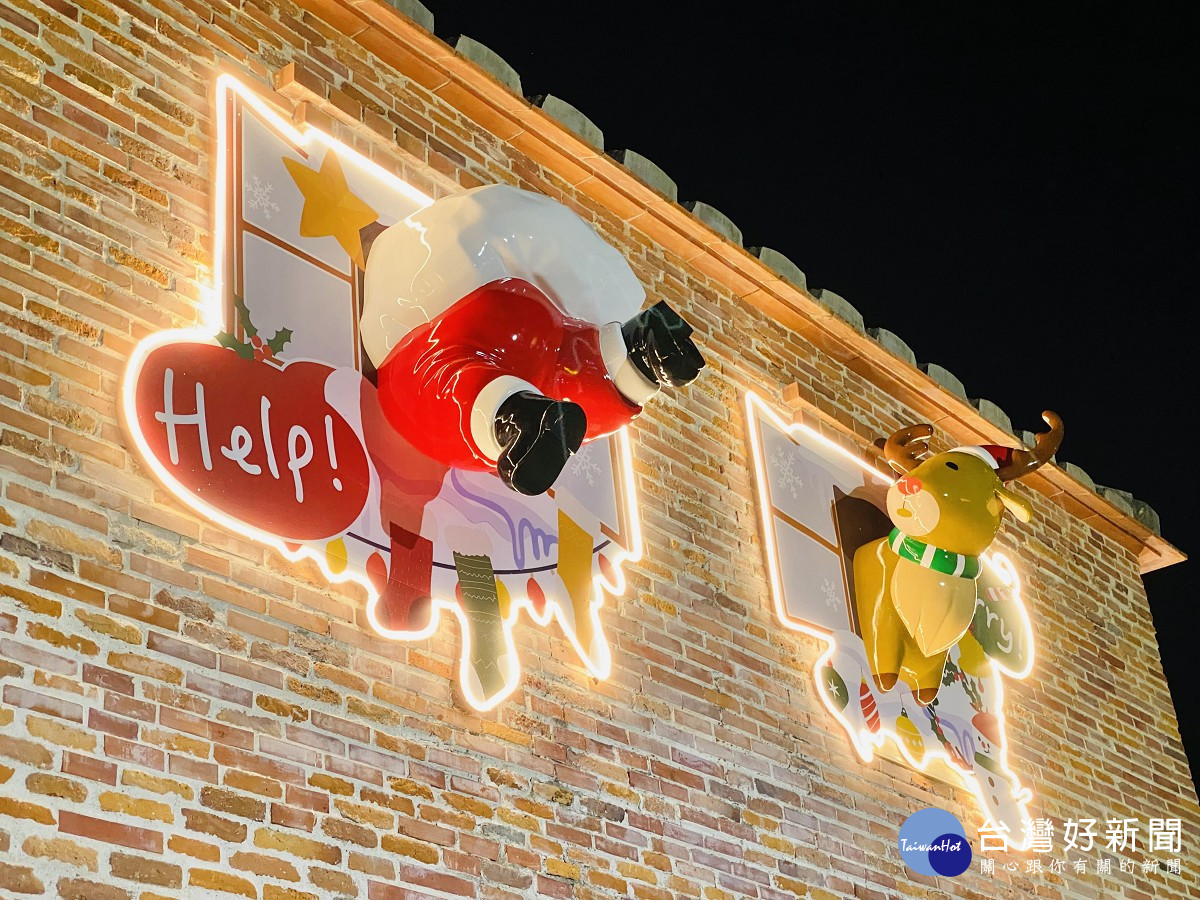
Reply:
x=931, y=557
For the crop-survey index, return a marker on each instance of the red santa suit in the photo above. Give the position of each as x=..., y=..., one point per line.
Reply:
x=489, y=293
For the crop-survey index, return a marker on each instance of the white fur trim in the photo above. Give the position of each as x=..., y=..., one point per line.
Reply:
x=487, y=404
x=633, y=385
x=980, y=453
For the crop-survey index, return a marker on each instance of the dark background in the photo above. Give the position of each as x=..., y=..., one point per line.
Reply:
x=1011, y=189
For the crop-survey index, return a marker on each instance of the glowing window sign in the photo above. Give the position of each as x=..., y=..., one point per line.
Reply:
x=261, y=421
x=818, y=503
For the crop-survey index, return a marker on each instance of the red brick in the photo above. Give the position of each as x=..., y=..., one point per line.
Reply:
x=102, y=721
x=194, y=769
x=353, y=730
x=50, y=581
x=291, y=817
x=121, y=705
x=144, y=612
x=108, y=679
x=163, y=572
x=435, y=881
x=251, y=671
x=426, y=831
x=42, y=659
x=139, y=754
x=110, y=832
x=318, y=800
x=87, y=767
x=221, y=690
x=41, y=703
x=200, y=656
x=118, y=581
x=244, y=624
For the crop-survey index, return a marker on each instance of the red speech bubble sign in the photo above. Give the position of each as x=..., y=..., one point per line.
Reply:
x=246, y=439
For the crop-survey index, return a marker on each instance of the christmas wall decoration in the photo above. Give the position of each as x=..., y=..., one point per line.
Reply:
x=917, y=588
x=506, y=332
x=426, y=398
x=823, y=509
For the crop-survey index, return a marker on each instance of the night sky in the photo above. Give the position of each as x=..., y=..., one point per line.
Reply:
x=1012, y=189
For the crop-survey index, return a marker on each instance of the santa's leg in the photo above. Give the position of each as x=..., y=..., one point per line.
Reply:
x=660, y=346
x=471, y=388
x=613, y=370
x=503, y=379
x=535, y=436
x=479, y=416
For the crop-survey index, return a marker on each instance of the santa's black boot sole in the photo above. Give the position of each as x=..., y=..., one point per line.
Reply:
x=538, y=435
x=660, y=346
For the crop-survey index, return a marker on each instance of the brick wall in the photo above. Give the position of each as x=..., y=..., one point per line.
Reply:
x=183, y=711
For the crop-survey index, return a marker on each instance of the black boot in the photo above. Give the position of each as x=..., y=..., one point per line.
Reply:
x=660, y=346
x=539, y=435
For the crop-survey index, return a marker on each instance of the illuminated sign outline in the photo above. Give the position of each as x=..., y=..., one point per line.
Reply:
x=866, y=743
x=212, y=317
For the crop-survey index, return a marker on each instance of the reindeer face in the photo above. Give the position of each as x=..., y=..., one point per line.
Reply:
x=954, y=501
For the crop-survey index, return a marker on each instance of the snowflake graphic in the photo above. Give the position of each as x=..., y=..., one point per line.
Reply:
x=833, y=685
x=785, y=467
x=258, y=196
x=585, y=464
x=831, y=592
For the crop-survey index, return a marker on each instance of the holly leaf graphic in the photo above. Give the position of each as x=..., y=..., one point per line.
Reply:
x=282, y=337
x=239, y=303
x=227, y=340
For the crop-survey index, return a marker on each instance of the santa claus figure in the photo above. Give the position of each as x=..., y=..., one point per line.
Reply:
x=505, y=332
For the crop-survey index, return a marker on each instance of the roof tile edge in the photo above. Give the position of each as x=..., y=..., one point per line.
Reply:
x=1155, y=553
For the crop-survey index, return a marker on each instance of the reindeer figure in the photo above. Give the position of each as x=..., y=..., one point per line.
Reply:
x=916, y=587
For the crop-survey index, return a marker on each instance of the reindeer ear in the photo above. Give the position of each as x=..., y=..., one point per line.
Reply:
x=1016, y=505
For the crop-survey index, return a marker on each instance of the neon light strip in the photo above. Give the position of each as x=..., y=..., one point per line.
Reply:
x=599, y=668
x=866, y=742
x=212, y=318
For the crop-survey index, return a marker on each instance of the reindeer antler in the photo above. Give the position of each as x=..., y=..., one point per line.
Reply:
x=1046, y=445
x=903, y=449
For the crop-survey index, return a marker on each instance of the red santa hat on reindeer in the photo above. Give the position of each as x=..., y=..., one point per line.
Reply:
x=993, y=454
x=505, y=332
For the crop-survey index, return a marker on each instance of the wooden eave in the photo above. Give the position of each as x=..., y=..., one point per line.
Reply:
x=431, y=63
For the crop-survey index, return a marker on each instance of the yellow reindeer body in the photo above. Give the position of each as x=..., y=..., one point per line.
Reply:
x=893, y=652
x=916, y=589
x=936, y=609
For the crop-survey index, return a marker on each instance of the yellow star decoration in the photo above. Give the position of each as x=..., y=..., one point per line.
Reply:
x=329, y=206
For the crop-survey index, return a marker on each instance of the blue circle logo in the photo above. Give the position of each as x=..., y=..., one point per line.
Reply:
x=933, y=842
